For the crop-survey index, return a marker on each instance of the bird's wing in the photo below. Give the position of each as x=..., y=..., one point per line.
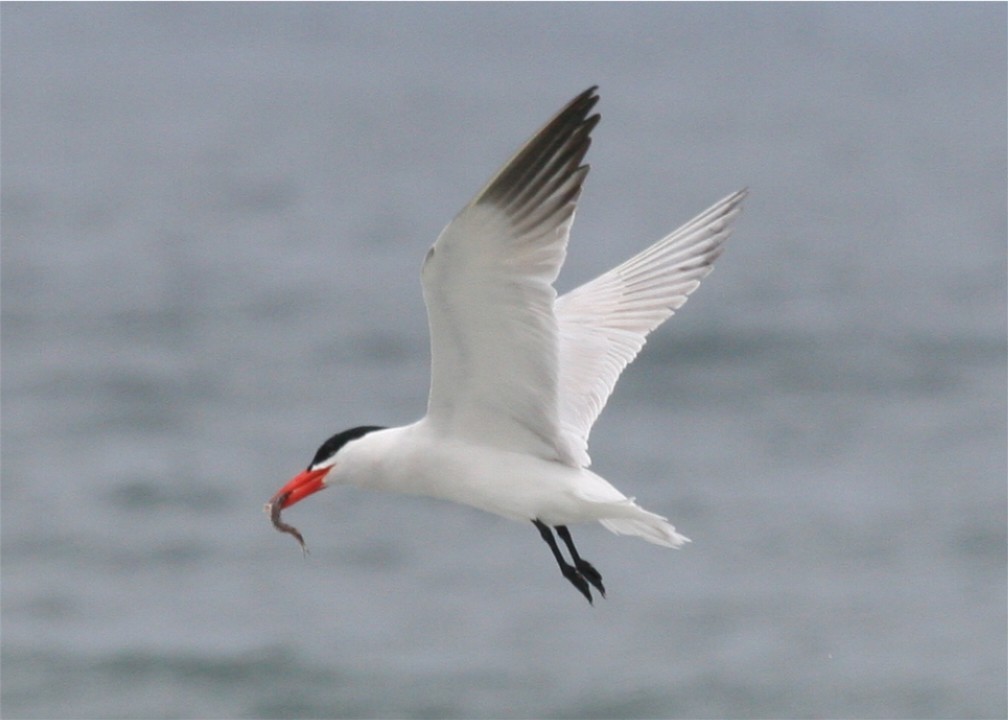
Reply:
x=604, y=323
x=488, y=286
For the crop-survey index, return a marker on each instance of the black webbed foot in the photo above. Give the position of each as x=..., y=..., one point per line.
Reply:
x=583, y=566
x=578, y=581
x=590, y=574
x=581, y=572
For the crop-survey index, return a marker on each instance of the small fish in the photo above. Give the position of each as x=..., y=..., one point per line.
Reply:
x=274, y=507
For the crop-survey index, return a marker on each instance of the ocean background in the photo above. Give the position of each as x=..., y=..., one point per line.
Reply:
x=213, y=218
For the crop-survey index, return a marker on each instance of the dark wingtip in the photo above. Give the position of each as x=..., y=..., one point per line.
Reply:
x=548, y=159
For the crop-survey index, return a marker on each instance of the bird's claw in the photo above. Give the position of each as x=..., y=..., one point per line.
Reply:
x=578, y=580
x=588, y=571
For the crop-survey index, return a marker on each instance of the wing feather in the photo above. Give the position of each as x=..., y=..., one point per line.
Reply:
x=512, y=365
x=488, y=286
x=604, y=323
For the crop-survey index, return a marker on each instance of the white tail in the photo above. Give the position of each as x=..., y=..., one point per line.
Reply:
x=655, y=529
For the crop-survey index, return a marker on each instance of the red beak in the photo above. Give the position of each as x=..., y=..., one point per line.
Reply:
x=300, y=487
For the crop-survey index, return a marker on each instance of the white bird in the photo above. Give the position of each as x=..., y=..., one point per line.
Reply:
x=519, y=375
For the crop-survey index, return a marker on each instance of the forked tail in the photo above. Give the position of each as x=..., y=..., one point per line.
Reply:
x=658, y=532
x=647, y=526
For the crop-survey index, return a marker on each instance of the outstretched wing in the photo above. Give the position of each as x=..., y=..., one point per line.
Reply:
x=488, y=286
x=604, y=323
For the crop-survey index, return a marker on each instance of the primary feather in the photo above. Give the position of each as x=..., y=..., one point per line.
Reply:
x=604, y=323
x=488, y=286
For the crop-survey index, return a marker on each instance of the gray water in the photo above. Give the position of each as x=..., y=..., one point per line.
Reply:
x=213, y=220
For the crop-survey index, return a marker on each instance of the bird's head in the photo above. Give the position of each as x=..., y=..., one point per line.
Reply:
x=316, y=476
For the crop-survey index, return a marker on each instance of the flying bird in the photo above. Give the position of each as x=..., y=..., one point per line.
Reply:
x=518, y=374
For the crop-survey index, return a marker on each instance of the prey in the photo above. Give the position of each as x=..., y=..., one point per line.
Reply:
x=274, y=508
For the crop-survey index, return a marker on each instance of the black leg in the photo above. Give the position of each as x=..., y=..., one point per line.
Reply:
x=569, y=571
x=582, y=566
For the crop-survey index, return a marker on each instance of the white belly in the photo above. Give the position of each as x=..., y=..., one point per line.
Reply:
x=514, y=485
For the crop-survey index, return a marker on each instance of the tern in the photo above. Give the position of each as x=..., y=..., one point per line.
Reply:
x=518, y=374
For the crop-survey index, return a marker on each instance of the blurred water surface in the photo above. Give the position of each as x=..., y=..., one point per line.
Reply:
x=213, y=220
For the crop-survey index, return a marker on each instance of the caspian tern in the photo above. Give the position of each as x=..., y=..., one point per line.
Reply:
x=519, y=375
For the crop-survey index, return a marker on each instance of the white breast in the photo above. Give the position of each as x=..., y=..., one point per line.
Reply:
x=418, y=461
